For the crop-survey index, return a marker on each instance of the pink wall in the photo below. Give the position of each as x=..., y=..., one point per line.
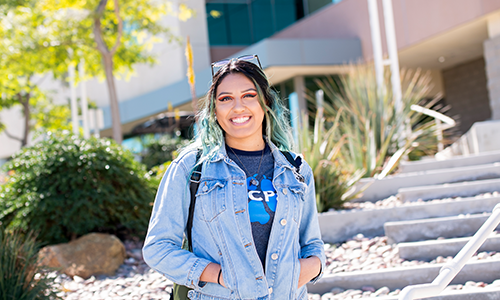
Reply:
x=415, y=20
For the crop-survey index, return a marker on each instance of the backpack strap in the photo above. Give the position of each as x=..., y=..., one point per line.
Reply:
x=297, y=162
x=193, y=188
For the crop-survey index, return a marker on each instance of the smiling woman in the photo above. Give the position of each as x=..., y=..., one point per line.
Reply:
x=255, y=231
x=239, y=113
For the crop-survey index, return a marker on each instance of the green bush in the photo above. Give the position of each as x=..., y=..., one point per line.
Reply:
x=321, y=149
x=162, y=150
x=21, y=278
x=67, y=186
x=378, y=135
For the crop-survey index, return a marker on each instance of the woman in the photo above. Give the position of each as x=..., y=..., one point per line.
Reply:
x=255, y=231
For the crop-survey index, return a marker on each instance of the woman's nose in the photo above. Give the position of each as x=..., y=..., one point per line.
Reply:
x=238, y=104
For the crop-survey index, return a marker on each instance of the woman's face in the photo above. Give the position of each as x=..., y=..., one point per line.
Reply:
x=239, y=112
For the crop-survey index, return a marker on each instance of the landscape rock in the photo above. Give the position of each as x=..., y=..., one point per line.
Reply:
x=92, y=254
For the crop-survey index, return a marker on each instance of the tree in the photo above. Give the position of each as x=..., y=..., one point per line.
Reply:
x=27, y=52
x=42, y=38
x=124, y=24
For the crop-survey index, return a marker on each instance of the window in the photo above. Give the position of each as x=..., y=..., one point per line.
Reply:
x=237, y=22
x=244, y=22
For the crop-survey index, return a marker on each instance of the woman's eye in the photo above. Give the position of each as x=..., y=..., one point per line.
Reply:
x=224, y=98
x=249, y=95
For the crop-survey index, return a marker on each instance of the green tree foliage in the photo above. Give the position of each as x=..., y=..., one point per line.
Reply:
x=162, y=150
x=27, y=51
x=113, y=36
x=41, y=38
x=67, y=186
x=21, y=278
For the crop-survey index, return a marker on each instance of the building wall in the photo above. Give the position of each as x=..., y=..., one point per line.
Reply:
x=467, y=93
x=492, y=57
x=415, y=20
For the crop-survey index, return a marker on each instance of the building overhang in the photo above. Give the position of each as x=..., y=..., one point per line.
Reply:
x=281, y=59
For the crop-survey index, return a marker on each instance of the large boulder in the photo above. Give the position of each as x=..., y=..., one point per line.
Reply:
x=92, y=254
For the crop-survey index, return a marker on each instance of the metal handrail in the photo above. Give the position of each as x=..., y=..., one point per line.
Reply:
x=451, y=269
x=440, y=118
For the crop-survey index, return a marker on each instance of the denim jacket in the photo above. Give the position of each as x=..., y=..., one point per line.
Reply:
x=222, y=232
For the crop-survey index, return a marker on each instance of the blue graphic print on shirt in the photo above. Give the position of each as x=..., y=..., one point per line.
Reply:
x=260, y=196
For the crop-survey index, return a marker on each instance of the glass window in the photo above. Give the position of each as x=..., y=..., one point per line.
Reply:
x=239, y=30
x=241, y=22
x=217, y=24
x=314, y=5
x=287, y=13
x=262, y=19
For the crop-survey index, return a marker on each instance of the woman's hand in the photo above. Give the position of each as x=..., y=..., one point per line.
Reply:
x=309, y=268
x=211, y=274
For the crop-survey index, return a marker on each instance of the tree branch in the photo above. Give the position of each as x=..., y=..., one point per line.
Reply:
x=11, y=136
x=101, y=45
x=120, y=28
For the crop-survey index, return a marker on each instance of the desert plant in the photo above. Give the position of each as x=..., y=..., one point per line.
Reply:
x=21, y=278
x=67, y=186
x=379, y=134
x=321, y=149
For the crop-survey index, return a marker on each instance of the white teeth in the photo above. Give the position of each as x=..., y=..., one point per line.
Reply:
x=240, y=120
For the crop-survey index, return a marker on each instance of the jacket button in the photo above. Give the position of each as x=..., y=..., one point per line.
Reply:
x=285, y=191
x=274, y=256
x=283, y=222
x=270, y=290
x=205, y=188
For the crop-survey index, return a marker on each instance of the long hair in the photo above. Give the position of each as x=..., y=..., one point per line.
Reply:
x=275, y=125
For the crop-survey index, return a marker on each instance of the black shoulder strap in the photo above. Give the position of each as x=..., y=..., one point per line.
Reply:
x=297, y=162
x=193, y=188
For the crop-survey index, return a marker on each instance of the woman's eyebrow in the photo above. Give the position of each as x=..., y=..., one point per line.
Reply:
x=228, y=93
x=224, y=93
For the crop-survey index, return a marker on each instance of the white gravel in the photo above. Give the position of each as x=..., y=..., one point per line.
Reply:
x=135, y=280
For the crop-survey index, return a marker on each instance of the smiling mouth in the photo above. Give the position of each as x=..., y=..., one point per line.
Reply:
x=240, y=120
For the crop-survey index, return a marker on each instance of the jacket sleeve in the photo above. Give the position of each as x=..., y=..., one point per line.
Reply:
x=162, y=247
x=310, y=235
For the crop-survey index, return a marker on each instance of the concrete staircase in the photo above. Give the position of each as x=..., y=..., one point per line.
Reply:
x=424, y=230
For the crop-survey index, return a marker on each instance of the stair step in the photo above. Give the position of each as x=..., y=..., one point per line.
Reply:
x=338, y=226
x=433, y=228
x=383, y=188
x=398, y=278
x=488, y=293
x=428, y=250
x=461, y=189
x=454, y=162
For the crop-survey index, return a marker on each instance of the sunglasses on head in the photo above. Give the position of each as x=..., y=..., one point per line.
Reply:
x=219, y=64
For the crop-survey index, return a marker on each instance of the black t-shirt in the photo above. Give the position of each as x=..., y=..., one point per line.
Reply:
x=259, y=166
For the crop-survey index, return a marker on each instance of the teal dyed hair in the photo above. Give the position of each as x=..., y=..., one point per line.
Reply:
x=276, y=126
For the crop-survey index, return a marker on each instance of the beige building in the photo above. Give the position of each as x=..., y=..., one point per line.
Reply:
x=297, y=41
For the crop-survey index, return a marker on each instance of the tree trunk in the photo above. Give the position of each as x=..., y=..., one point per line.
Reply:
x=27, y=115
x=107, y=60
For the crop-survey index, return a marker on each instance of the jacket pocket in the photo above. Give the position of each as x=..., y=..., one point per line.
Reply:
x=296, y=277
x=211, y=198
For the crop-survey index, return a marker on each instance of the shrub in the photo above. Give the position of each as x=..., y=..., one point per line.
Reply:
x=21, y=278
x=67, y=186
x=378, y=135
x=159, y=151
x=321, y=149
